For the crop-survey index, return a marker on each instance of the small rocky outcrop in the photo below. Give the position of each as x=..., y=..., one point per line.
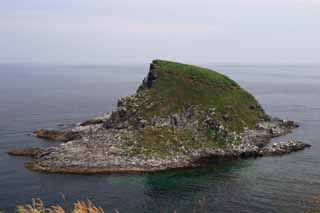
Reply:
x=96, y=120
x=180, y=115
x=55, y=135
x=73, y=133
x=29, y=152
x=284, y=148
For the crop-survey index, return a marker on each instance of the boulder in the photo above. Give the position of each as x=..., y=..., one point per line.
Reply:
x=55, y=135
x=30, y=152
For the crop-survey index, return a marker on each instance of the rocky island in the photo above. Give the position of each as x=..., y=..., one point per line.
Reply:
x=180, y=116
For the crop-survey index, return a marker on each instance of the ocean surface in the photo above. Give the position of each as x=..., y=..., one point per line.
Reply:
x=48, y=96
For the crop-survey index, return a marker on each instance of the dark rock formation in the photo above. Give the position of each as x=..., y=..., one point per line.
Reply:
x=57, y=135
x=96, y=120
x=29, y=152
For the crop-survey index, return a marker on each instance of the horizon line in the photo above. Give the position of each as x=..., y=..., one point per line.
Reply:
x=147, y=63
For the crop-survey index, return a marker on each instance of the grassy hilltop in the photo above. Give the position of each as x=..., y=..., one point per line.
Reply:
x=178, y=85
x=184, y=108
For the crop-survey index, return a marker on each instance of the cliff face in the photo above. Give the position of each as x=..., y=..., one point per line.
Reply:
x=180, y=115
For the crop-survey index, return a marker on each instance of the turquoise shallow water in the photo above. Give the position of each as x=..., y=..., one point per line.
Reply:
x=36, y=96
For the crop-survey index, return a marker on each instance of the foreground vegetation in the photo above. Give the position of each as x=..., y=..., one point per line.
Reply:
x=38, y=206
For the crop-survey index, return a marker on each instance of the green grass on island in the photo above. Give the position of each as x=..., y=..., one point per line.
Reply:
x=179, y=85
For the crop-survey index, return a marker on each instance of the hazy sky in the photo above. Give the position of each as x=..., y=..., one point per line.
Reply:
x=136, y=31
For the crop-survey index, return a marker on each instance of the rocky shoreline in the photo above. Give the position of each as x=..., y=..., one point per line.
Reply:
x=180, y=116
x=97, y=151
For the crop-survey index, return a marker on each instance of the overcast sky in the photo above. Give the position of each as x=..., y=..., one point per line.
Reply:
x=137, y=31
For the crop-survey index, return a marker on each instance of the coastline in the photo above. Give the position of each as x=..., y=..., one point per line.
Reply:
x=261, y=138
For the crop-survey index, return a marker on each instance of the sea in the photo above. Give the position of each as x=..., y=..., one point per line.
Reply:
x=34, y=96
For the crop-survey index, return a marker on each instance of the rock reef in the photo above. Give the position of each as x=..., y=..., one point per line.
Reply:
x=180, y=115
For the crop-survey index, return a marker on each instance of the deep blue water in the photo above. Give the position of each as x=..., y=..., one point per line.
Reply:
x=45, y=96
